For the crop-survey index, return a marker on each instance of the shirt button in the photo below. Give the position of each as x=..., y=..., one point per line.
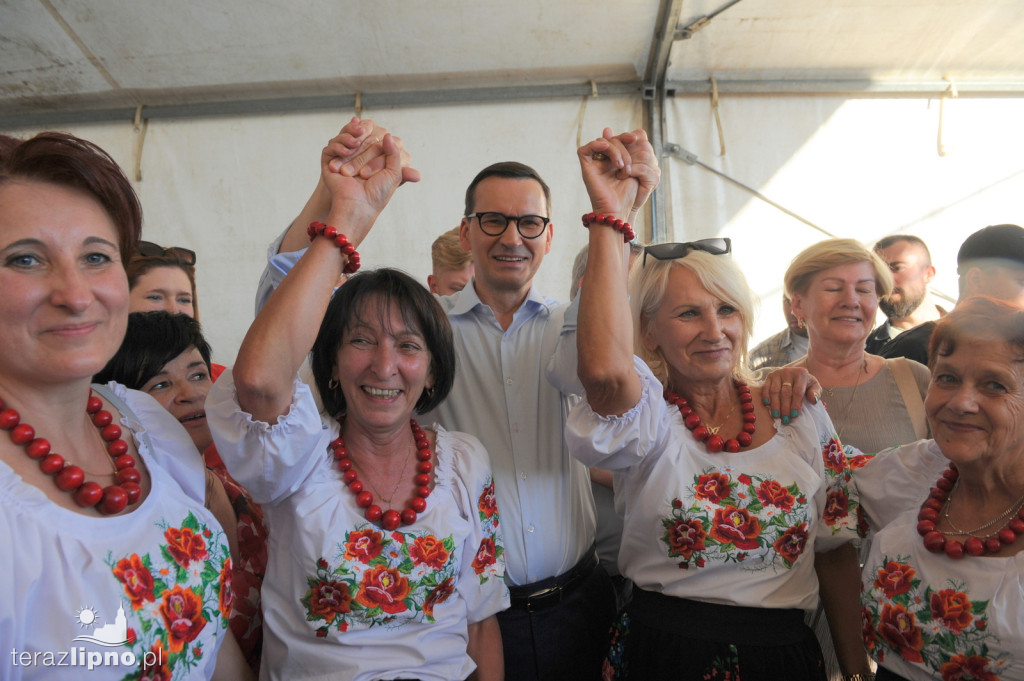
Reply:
x=522, y=475
x=508, y=381
x=530, y=528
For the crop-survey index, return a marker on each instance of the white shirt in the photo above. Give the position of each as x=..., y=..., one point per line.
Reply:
x=342, y=598
x=64, y=575
x=507, y=393
x=925, y=609
x=737, y=529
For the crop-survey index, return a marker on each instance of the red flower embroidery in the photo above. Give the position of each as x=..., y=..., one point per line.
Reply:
x=744, y=479
x=154, y=665
x=385, y=588
x=835, y=458
x=363, y=545
x=771, y=493
x=488, y=505
x=837, y=506
x=713, y=487
x=894, y=579
x=791, y=543
x=899, y=629
x=138, y=582
x=185, y=545
x=182, y=610
x=735, y=526
x=867, y=629
x=226, y=595
x=964, y=668
x=439, y=595
x=428, y=551
x=327, y=600
x=684, y=537
x=485, y=555
x=953, y=608
x=858, y=461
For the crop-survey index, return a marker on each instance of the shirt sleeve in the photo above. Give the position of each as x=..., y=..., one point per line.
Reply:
x=619, y=442
x=482, y=582
x=840, y=500
x=561, y=369
x=278, y=267
x=271, y=461
x=898, y=479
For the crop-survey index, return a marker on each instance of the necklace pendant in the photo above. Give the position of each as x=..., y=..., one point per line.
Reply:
x=714, y=429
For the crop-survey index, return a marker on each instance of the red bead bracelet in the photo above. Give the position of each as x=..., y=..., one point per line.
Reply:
x=601, y=219
x=340, y=240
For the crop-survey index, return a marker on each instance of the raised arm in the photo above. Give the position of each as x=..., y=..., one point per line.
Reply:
x=284, y=330
x=619, y=173
x=355, y=151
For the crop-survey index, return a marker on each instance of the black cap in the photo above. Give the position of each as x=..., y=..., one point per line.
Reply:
x=1002, y=242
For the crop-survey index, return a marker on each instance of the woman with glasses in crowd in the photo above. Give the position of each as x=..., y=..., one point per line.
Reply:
x=728, y=513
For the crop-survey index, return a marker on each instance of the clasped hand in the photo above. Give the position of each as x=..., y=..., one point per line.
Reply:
x=620, y=172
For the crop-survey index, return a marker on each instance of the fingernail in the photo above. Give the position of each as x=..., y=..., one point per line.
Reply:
x=348, y=169
x=793, y=414
x=766, y=401
x=775, y=413
x=785, y=420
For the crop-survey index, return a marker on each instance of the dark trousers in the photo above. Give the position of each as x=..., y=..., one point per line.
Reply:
x=565, y=642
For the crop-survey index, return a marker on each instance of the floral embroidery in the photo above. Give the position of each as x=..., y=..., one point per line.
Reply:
x=727, y=518
x=725, y=667
x=614, y=665
x=941, y=629
x=381, y=580
x=175, y=593
x=486, y=563
x=488, y=503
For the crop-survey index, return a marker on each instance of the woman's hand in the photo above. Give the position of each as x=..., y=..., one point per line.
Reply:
x=784, y=391
x=619, y=171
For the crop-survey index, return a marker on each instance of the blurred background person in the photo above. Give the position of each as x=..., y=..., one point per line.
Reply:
x=786, y=346
x=452, y=264
x=910, y=302
x=943, y=585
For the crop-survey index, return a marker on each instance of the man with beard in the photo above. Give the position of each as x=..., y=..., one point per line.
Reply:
x=910, y=304
x=990, y=263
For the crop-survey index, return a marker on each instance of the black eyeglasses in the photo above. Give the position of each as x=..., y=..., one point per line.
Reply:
x=718, y=246
x=495, y=224
x=152, y=250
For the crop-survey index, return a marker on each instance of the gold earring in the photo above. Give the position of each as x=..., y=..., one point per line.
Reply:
x=332, y=384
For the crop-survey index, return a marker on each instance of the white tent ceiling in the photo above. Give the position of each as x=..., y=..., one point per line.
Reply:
x=106, y=57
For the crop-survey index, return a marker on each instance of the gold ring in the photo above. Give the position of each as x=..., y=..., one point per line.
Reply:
x=599, y=156
x=785, y=383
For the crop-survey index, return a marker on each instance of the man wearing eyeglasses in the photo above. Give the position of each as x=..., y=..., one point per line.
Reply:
x=516, y=353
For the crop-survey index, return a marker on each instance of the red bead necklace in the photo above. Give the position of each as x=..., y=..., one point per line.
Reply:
x=389, y=519
x=709, y=436
x=937, y=542
x=69, y=477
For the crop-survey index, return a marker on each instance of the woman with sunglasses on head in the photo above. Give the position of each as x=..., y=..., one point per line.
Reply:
x=165, y=279
x=101, y=511
x=729, y=515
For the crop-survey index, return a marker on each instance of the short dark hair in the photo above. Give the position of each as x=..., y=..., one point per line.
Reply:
x=151, y=341
x=507, y=169
x=892, y=239
x=977, y=316
x=64, y=160
x=373, y=292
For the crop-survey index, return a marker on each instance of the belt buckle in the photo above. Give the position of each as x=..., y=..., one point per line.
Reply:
x=538, y=601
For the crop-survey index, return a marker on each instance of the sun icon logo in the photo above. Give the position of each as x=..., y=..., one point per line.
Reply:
x=87, y=616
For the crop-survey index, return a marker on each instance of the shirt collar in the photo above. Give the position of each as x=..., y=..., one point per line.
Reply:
x=468, y=300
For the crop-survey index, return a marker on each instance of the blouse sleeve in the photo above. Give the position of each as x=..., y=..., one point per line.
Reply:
x=898, y=479
x=619, y=442
x=271, y=461
x=840, y=502
x=482, y=581
x=162, y=437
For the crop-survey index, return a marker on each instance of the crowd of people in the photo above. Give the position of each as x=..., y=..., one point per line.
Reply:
x=395, y=481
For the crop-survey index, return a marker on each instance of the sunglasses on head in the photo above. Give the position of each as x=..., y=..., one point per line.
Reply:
x=152, y=250
x=716, y=246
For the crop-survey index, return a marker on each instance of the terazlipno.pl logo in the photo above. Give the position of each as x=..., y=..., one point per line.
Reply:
x=111, y=635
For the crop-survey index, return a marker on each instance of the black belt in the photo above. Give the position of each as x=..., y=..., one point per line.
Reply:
x=553, y=590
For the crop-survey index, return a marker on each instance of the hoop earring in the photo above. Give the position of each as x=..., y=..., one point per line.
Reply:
x=332, y=384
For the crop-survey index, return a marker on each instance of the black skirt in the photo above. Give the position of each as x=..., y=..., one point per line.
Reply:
x=667, y=638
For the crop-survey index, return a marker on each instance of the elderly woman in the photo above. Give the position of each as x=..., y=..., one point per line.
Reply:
x=943, y=586
x=874, y=403
x=101, y=506
x=166, y=356
x=728, y=513
x=386, y=560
